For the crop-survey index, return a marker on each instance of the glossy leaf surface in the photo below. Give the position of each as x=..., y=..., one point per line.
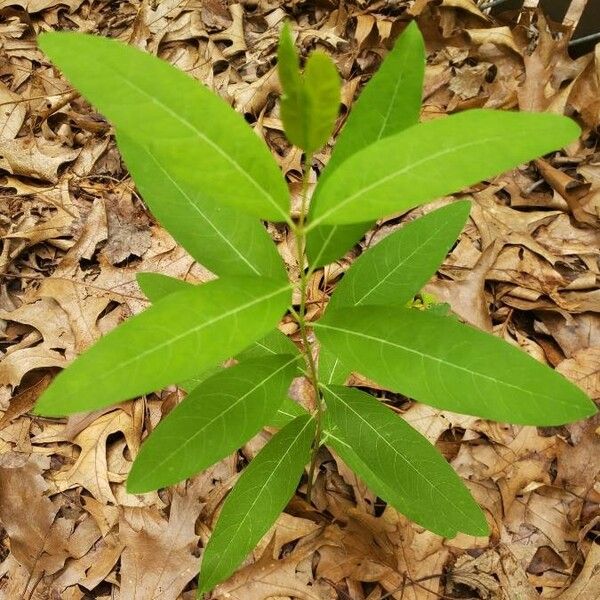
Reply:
x=194, y=135
x=215, y=419
x=173, y=340
x=433, y=159
x=157, y=286
x=259, y=496
x=418, y=480
x=439, y=361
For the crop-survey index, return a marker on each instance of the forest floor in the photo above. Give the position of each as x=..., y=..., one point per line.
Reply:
x=74, y=233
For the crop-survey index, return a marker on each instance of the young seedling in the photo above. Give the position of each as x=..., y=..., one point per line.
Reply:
x=209, y=180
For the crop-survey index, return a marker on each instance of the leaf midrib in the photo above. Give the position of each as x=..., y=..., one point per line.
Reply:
x=221, y=415
x=189, y=125
x=196, y=208
x=398, y=266
x=191, y=331
x=424, y=355
x=265, y=486
x=381, y=181
x=402, y=457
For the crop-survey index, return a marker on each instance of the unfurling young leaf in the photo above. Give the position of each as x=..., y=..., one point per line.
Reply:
x=196, y=138
x=389, y=103
x=175, y=339
x=399, y=464
x=441, y=362
x=215, y=419
x=261, y=493
x=433, y=159
x=310, y=101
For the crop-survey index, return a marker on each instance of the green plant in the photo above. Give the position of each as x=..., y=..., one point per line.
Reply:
x=209, y=179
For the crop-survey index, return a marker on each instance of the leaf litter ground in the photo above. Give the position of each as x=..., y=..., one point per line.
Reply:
x=74, y=233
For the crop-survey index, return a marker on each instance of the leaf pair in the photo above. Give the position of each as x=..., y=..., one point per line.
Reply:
x=430, y=358
x=310, y=102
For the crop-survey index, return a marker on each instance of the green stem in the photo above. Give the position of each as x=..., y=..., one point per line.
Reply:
x=300, y=234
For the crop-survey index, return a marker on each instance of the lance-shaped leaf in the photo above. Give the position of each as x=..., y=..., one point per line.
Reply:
x=157, y=286
x=259, y=496
x=190, y=131
x=393, y=271
x=433, y=159
x=399, y=464
x=310, y=101
x=389, y=103
x=174, y=339
x=441, y=362
x=214, y=420
x=223, y=239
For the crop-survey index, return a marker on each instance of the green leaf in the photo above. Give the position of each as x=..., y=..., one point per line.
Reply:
x=441, y=362
x=261, y=493
x=286, y=413
x=434, y=159
x=389, y=103
x=157, y=286
x=393, y=271
x=214, y=420
x=192, y=133
x=310, y=102
x=399, y=464
x=173, y=340
x=275, y=342
x=288, y=64
x=331, y=369
x=223, y=239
